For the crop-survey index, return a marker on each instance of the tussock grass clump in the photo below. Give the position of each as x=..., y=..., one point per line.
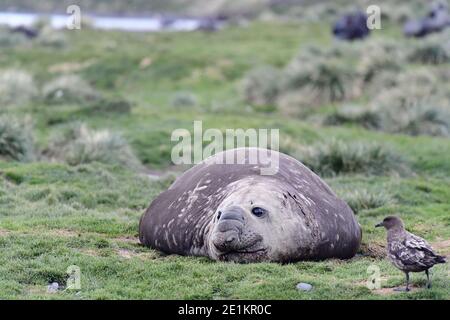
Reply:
x=337, y=157
x=314, y=77
x=69, y=89
x=184, y=99
x=16, y=139
x=414, y=107
x=384, y=80
x=80, y=145
x=397, y=13
x=298, y=103
x=422, y=118
x=326, y=76
x=377, y=56
x=404, y=95
x=366, y=117
x=48, y=37
x=433, y=50
x=261, y=85
x=11, y=39
x=16, y=87
x=363, y=199
x=418, y=77
x=412, y=83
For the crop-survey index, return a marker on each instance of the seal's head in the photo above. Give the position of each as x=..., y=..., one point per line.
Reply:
x=257, y=222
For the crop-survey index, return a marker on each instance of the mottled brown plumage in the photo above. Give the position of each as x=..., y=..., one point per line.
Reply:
x=408, y=252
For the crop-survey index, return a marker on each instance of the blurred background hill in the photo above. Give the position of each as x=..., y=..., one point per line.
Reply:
x=247, y=8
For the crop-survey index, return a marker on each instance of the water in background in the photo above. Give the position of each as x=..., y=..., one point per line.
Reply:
x=149, y=24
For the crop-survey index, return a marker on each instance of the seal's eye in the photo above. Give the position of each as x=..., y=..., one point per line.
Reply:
x=219, y=214
x=259, y=212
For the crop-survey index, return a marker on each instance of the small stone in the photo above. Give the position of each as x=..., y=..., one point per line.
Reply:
x=53, y=287
x=304, y=286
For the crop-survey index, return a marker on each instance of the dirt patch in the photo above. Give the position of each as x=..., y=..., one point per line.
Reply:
x=69, y=67
x=390, y=291
x=442, y=247
x=129, y=254
x=4, y=233
x=374, y=250
x=363, y=283
x=62, y=233
x=66, y=233
x=127, y=239
x=378, y=249
x=36, y=290
x=90, y=252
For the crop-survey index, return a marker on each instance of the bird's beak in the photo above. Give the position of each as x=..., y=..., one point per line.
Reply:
x=379, y=225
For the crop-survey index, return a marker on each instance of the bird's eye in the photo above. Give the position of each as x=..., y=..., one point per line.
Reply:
x=259, y=212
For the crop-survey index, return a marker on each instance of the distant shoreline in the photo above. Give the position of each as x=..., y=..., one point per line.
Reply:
x=151, y=23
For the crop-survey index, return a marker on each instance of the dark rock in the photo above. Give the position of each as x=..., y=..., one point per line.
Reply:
x=209, y=25
x=30, y=33
x=351, y=26
x=438, y=19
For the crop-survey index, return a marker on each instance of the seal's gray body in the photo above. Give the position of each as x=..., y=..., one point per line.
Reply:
x=306, y=220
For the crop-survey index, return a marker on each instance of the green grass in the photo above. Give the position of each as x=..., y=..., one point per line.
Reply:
x=54, y=215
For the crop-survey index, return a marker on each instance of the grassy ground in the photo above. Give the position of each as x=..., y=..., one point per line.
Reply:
x=55, y=215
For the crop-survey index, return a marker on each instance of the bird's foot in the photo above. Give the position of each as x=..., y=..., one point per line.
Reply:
x=402, y=289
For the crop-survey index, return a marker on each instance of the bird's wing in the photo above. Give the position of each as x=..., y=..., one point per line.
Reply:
x=414, y=242
x=406, y=254
x=414, y=250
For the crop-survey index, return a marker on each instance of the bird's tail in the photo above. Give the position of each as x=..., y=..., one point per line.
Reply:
x=440, y=259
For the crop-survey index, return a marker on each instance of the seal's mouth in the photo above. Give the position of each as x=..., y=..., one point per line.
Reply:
x=248, y=251
x=244, y=255
x=253, y=251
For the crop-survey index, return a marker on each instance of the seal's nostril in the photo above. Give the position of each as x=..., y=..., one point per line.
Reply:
x=231, y=213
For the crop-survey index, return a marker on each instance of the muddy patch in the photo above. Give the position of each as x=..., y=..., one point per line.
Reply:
x=443, y=247
x=130, y=254
x=90, y=252
x=374, y=250
x=127, y=239
x=68, y=67
x=36, y=290
x=66, y=233
x=390, y=291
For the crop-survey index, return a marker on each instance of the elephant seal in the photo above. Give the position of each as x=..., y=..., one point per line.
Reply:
x=230, y=212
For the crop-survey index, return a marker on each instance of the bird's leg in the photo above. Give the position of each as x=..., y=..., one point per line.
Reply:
x=407, y=281
x=428, y=279
x=407, y=284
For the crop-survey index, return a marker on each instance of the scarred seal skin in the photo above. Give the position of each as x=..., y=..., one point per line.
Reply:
x=230, y=212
